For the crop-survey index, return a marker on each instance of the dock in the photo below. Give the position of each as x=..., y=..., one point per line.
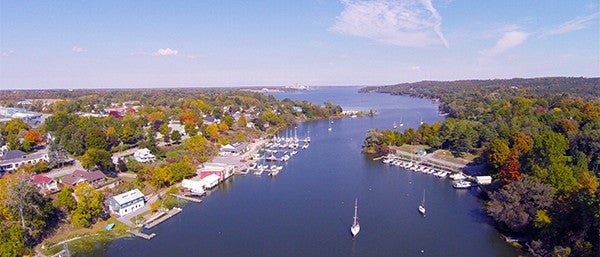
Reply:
x=164, y=217
x=142, y=235
x=187, y=198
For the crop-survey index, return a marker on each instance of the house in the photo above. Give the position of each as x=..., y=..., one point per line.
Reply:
x=93, y=177
x=127, y=202
x=233, y=148
x=222, y=170
x=45, y=183
x=15, y=158
x=297, y=108
x=143, y=155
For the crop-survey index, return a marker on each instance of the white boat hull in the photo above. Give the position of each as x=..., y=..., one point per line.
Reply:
x=355, y=229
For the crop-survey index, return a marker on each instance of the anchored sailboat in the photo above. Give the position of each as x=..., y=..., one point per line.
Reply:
x=355, y=226
x=422, y=205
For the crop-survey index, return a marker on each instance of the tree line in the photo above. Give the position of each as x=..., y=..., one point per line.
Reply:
x=540, y=139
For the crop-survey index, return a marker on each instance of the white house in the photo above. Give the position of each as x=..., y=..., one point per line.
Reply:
x=144, y=155
x=15, y=158
x=127, y=202
x=483, y=180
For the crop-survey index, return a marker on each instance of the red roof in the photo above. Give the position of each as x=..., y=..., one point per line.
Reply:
x=41, y=179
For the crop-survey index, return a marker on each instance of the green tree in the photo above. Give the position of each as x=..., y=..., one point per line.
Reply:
x=199, y=149
x=498, y=153
x=242, y=121
x=95, y=138
x=97, y=158
x=176, y=136
x=64, y=199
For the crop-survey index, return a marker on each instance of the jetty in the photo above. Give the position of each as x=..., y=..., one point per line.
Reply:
x=142, y=235
x=187, y=198
x=163, y=217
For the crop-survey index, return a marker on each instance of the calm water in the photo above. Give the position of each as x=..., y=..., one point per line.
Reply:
x=307, y=209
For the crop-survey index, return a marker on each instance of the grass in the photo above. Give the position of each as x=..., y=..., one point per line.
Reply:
x=448, y=156
x=90, y=237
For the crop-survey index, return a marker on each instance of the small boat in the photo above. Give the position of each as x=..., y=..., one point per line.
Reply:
x=395, y=126
x=422, y=205
x=462, y=184
x=355, y=226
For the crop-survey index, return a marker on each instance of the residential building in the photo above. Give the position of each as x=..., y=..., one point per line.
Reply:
x=127, y=202
x=143, y=155
x=11, y=160
x=93, y=177
x=235, y=148
x=45, y=182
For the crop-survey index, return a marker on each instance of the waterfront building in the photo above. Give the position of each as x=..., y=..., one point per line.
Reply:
x=210, y=181
x=233, y=148
x=222, y=170
x=195, y=186
x=127, y=202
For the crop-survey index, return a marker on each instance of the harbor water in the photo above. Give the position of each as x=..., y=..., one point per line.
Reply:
x=307, y=209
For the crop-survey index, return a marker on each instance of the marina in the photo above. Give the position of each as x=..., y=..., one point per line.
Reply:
x=259, y=215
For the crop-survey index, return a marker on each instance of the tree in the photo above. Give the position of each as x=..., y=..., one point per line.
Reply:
x=176, y=136
x=89, y=205
x=95, y=138
x=199, y=149
x=212, y=132
x=33, y=136
x=97, y=158
x=64, y=199
x=25, y=206
x=182, y=169
x=498, y=153
x=509, y=172
x=515, y=205
x=242, y=121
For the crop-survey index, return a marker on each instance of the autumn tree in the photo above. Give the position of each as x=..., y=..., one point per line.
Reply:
x=212, y=131
x=97, y=158
x=176, y=136
x=89, y=205
x=64, y=199
x=95, y=138
x=199, y=149
x=498, y=153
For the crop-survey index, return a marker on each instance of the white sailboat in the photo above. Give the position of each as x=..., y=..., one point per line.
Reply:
x=355, y=226
x=422, y=205
x=330, y=121
x=401, y=124
x=395, y=126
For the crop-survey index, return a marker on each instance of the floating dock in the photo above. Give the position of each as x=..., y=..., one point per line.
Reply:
x=142, y=235
x=168, y=215
x=187, y=198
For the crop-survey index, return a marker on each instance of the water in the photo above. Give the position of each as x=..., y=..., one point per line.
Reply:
x=307, y=209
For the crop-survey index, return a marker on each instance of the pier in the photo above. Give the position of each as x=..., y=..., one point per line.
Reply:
x=187, y=198
x=163, y=217
x=142, y=235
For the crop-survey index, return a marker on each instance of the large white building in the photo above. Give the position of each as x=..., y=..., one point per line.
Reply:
x=143, y=155
x=127, y=202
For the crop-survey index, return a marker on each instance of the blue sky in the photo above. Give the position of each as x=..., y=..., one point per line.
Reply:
x=91, y=44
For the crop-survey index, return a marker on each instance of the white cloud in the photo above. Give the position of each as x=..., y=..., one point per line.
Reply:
x=165, y=52
x=578, y=23
x=78, y=49
x=416, y=68
x=192, y=57
x=413, y=23
x=509, y=40
x=7, y=53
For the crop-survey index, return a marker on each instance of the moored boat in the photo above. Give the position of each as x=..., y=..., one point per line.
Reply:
x=355, y=226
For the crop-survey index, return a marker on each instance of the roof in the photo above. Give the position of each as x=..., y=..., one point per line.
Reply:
x=128, y=196
x=211, y=178
x=14, y=154
x=73, y=178
x=41, y=179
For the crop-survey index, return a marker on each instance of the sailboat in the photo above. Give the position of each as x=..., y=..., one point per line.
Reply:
x=355, y=226
x=395, y=126
x=422, y=205
x=330, y=121
x=401, y=124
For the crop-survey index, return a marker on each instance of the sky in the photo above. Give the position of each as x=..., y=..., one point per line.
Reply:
x=220, y=43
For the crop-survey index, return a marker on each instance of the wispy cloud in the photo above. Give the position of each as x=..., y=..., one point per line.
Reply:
x=576, y=24
x=509, y=40
x=78, y=49
x=416, y=68
x=165, y=52
x=7, y=53
x=192, y=56
x=413, y=23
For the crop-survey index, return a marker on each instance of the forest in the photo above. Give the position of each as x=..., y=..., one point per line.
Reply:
x=540, y=140
x=80, y=126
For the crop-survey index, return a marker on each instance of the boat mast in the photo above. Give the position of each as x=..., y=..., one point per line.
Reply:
x=355, y=210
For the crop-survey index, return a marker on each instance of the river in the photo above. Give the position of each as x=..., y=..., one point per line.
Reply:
x=307, y=209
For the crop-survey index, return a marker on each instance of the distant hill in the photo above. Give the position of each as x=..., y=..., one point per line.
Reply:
x=586, y=88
